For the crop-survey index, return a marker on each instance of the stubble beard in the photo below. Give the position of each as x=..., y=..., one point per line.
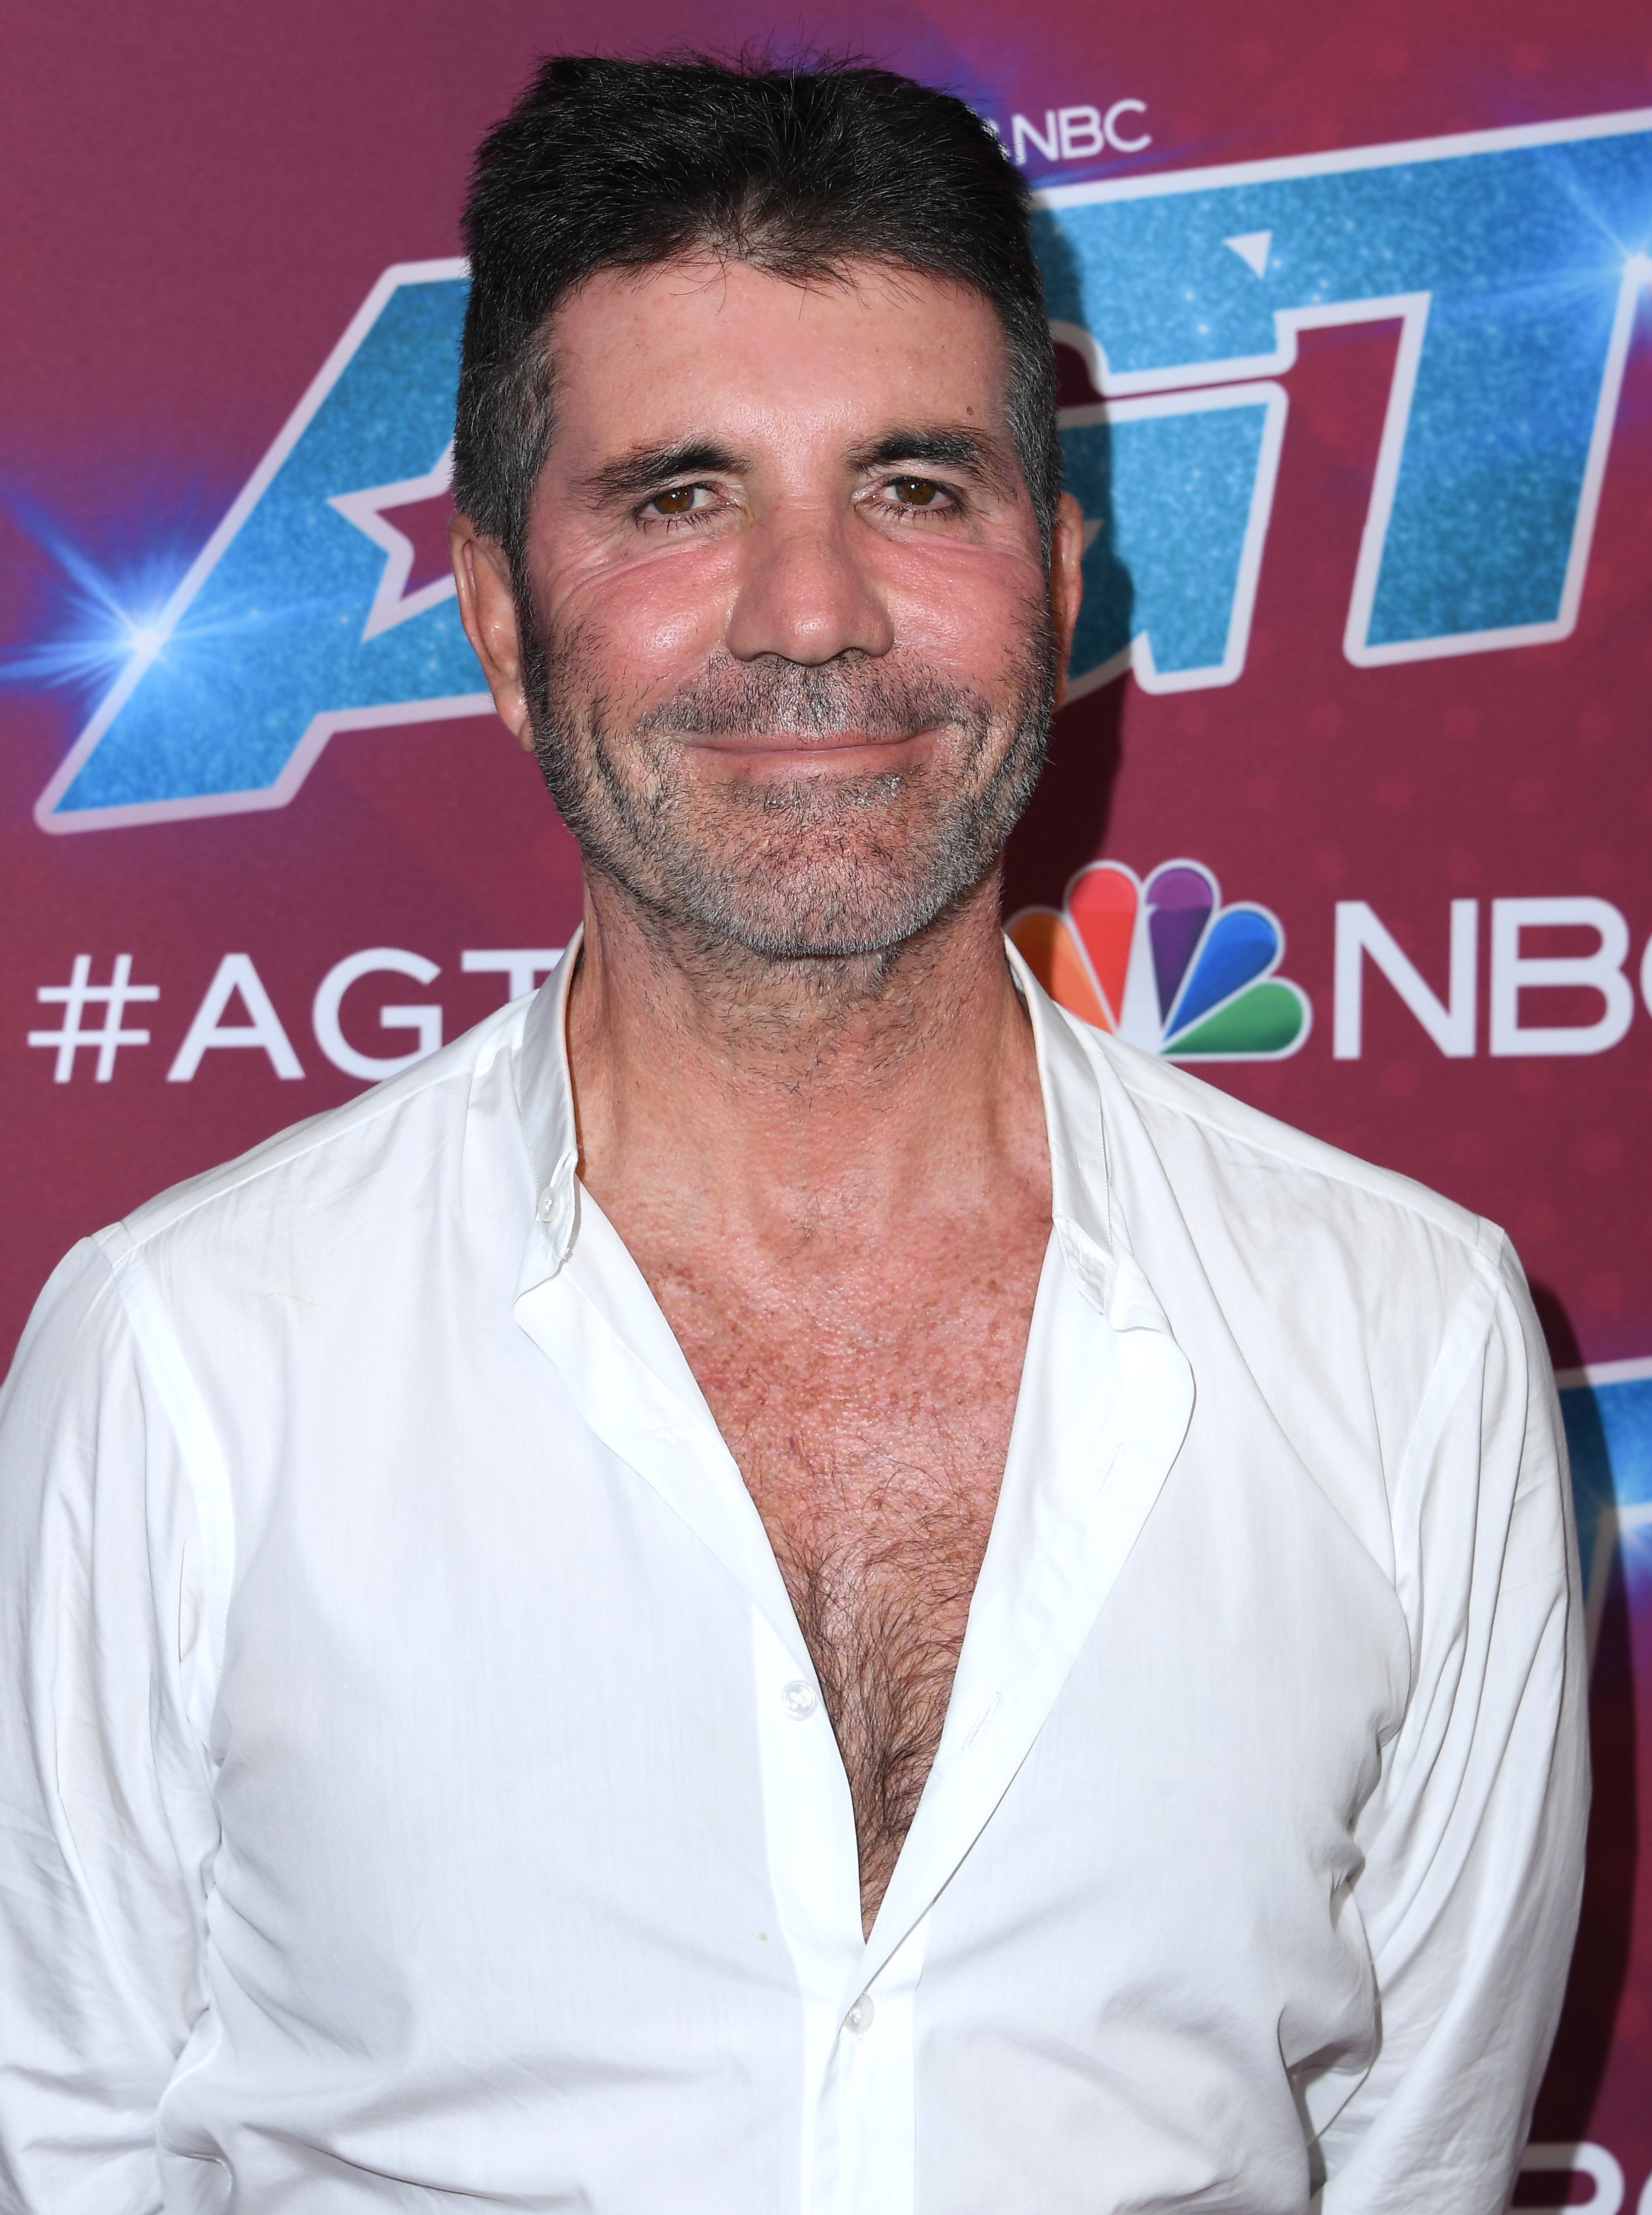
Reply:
x=801, y=869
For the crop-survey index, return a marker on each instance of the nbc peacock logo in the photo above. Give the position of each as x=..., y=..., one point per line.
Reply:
x=1165, y=966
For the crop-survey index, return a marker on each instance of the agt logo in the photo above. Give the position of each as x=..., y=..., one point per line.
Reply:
x=1513, y=261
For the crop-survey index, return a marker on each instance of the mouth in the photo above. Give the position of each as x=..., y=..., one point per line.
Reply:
x=755, y=755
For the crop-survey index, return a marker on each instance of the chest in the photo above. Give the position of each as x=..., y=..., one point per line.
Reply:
x=871, y=1421
x=870, y=1417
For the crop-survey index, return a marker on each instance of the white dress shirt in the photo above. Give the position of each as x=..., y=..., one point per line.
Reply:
x=415, y=1790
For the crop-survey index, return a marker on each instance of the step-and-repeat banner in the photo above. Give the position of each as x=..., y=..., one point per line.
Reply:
x=1351, y=807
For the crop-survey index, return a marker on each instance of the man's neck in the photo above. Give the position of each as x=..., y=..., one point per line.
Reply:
x=817, y=1101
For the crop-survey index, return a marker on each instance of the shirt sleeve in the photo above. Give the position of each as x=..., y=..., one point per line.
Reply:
x=107, y=1825
x=1473, y=1842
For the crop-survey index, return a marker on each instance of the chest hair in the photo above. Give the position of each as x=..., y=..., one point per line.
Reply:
x=873, y=1449
x=868, y=1407
x=882, y=1594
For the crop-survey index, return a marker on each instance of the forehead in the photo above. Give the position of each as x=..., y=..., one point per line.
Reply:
x=636, y=354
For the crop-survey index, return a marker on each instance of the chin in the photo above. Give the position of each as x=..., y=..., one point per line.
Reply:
x=830, y=907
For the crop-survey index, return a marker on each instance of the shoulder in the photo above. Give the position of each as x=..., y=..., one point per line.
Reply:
x=1357, y=1304
x=340, y=1167
x=1270, y=1176
x=1334, y=1280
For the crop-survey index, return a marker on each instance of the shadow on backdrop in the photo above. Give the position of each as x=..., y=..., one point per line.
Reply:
x=1601, y=1963
x=1065, y=825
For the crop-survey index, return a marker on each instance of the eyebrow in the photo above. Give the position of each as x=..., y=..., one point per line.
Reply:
x=645, y=468
x=947, y=445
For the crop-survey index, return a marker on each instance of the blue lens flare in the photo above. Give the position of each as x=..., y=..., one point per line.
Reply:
x=105, y=620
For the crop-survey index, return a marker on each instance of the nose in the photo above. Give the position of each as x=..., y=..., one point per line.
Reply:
x=803, y=594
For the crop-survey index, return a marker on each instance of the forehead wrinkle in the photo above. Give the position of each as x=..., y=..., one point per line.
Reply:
x=706, y=262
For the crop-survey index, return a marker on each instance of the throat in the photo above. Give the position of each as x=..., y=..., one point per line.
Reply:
x=883, y=1620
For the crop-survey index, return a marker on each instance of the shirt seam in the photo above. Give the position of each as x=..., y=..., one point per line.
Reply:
x=160, y=1352
x=1434, y=1404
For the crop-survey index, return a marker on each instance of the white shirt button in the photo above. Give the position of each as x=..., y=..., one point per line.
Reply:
x=858, y=2018
x=548, y=1203
x=798, y=1699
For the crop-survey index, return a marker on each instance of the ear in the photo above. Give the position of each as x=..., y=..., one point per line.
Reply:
x=487, y=608
x=1066, y=582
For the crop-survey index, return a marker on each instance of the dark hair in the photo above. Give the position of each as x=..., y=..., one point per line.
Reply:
x=799, y=170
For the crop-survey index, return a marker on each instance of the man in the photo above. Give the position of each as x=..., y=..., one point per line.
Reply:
x=782, y=1580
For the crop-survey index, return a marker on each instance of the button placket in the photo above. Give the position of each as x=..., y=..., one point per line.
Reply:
x=814, y=1870
x=875, y=2110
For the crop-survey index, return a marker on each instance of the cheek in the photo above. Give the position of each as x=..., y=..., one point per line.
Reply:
x=646, y=622
x=968, y=610
x=647, y=619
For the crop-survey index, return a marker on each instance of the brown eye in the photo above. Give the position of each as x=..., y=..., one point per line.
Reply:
x=678, y=501
x=916, y=492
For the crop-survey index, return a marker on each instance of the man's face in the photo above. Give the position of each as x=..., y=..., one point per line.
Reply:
x=783, y=634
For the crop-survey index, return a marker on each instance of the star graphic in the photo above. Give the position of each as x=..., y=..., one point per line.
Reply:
x=419, y=537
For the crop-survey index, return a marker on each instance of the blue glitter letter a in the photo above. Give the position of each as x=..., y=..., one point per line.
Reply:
x=284, y=630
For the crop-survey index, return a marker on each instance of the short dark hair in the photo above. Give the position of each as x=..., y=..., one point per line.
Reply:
x=800, y=170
